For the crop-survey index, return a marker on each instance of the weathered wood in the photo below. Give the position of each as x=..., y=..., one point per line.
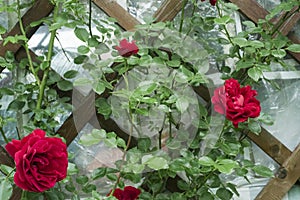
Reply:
x=168, y=10
x=285, y=178
x=5, y=158
x=288, y=24
x=16, y=194
x=270, y=145
x=39, y=10
x=113, y=9
x=251, y=8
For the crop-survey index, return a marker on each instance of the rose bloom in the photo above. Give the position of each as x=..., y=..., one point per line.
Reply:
x=126, y=49
x=212, y=2
x=40, y=161
x=238, y=104
x=129, y=193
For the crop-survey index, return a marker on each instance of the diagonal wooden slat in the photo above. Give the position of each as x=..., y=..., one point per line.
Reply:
x=270, y=145
x=40, y=9
x=168, y=10
x=113, y=9
x=288, y=24
x=285, y=178
x=251, y=8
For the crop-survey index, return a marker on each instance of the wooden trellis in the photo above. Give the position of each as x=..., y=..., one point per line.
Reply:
x=289, y=171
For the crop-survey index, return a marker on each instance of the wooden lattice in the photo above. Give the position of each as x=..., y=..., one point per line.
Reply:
x=289, y=171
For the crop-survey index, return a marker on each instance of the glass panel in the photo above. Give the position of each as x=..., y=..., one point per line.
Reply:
x=143, y=10
x=9, y=19
x=269, y=4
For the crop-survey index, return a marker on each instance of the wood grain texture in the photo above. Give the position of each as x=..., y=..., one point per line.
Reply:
x=285, y=178
x=270, y=145
x=251, y=8
x=168, y=10
x=113, y=9
x=5, y=158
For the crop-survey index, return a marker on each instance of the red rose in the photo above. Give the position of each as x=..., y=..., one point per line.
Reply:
x=238, y=104
x=40, y=161
x=129, y=193
x=212, y=2
x=126, y=49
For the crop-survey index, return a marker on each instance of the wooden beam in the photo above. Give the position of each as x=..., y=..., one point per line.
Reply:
x=270, y=145
x=39, y=10
x=288, y=24
x=251, y=8
x=5, y=158
x=286, y=177
x=113, y=9
x=168, y=10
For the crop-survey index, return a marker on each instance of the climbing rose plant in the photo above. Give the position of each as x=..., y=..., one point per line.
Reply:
x=177, y=160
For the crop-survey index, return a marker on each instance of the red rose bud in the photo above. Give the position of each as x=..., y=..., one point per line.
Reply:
x=129, y=193
x=212, y=2
x=126, y=49
x=40, y=161
x=238, y=104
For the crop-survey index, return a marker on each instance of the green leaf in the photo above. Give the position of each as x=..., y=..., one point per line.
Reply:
x=6, y=91
x=80, y=59
x=232, y=187
x=262, y=171
x=266, y=119
x=242, y=42
x=183, y=185
x=278, y=53
x=257, y=44
x=242, y=64
x=98, y=173
x=154, y=162
x=82, y=34
x=144, y=144
x=65, y=85
x=83, y=49
x=254, y=127
x=249, y=24
x=82, y=179
x=206, y=161
x=70, y=74
x=294, y=48
x=102, y=48
x=111, y=142
x=224, y=194
x=173, y=63
x=223, y=20
x=92, y=138
x=2, y=30
x=104, y=108
x=16, y=105
x=82, y=82
x=255, y=73
x=121, y=143
x=70, y=188
x=206, y=196
x=5, y=189
x=226, y=165
x=88, y=188
x=99, y=87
